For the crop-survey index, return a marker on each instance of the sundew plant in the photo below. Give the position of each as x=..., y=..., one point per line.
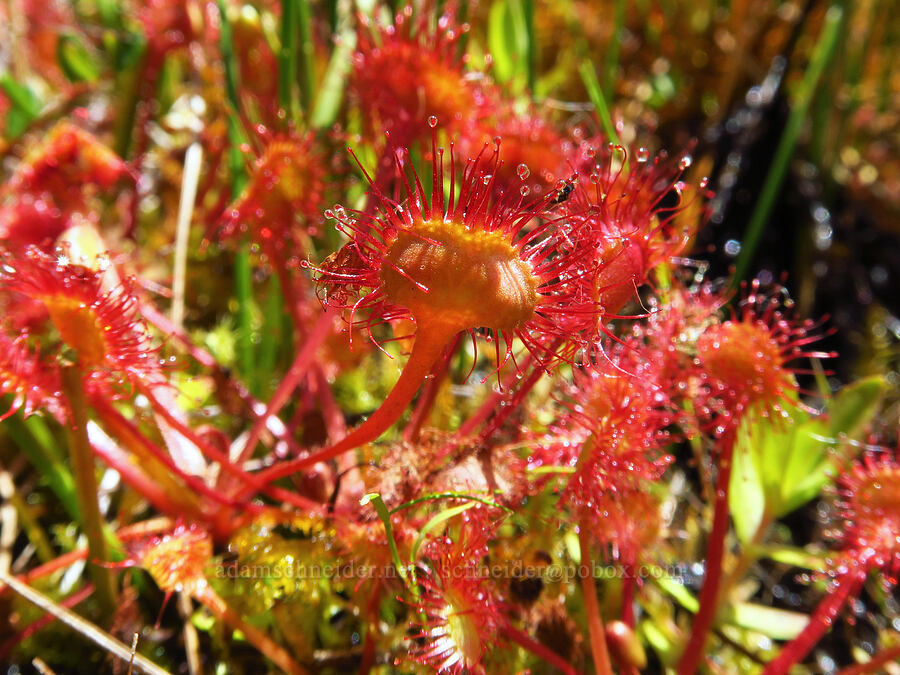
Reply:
x=348, y=336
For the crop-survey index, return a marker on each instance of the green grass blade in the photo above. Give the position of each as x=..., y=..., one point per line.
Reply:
x=381, y=509
x=822, y=54
x=595, y=93
x=612, y=51
x=307, y=57
x=331, y=93
x=226, y=45
x=530, y=46
x=287, y=58
x=37, y=443
x=272, y=335
x=243, y=288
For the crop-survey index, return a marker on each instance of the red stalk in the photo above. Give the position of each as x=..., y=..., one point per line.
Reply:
x=208, y=361
x=292, y=378
x=76, y=598
x=491, y=404
x=599, y=650
x=542, y=652
x=131, y=437
x=885, y=656
x=819, y=623
x=628, y=591
x=142, y=483
x=220, y=609
x=715, y=554
x=226, y=464
x=429, y=394
x=430, y=343
x=331, y=411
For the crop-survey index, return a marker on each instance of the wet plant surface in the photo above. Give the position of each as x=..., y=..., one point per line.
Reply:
x=489, y=338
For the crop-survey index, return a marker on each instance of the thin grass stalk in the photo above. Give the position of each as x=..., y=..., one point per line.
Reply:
x=822, y=55
x=287, y=58
x=307, y=54
x=82, y=459
x=37, y=537
x=530, y=46
x=612, y=51
x=37, y=443
x=90, y=631
x=599, y=649
x=595, y=93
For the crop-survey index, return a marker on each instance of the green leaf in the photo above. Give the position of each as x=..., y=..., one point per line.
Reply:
x=746, y=496
x=660, y=642
x=849, y=414
x=331, y=93
x=778, y=624
x=780, y=464
x=679, y=592
x=805, y=472
x=437, y=520
x=791, y=555
x=110, y=13
x=17, y=123
x=25, y=108
x=508, y=40
x=77, y=63
x=855, y=406
x=20, y=95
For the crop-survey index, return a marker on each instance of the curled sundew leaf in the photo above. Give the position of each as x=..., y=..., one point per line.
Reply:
x=384, y=515
x=432, y=524
x=448, y=495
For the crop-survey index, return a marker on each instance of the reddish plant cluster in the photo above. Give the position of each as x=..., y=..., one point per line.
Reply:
x=408, y=72
x=477, y=220
x=56, y=186
x=460, y=613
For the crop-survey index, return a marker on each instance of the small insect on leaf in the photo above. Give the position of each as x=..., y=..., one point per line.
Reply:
x=563, y=193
